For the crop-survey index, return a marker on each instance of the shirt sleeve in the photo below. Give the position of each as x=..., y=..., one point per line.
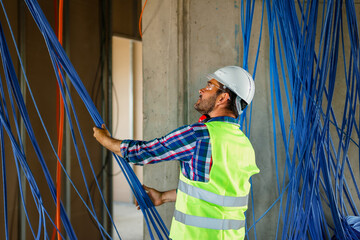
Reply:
x=177, y=145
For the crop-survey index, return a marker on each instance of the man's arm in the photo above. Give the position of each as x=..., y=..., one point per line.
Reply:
x=177, y=145
x=103, y=136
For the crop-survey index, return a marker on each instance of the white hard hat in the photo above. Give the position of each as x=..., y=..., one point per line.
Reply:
x=237, y=80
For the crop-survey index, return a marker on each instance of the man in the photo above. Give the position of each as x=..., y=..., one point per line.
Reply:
x=216, y=159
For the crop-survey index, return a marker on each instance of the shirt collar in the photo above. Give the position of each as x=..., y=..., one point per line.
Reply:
x=223, y=119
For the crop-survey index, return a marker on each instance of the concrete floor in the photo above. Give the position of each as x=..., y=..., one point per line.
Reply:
x=128, y=220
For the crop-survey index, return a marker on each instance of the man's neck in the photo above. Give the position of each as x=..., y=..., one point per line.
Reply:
x=222, y=113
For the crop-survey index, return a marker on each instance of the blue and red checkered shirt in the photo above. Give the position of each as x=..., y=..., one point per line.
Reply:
x=189, y=144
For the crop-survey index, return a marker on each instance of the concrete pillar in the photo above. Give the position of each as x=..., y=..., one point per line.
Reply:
x=183, y=41
x=164, y=83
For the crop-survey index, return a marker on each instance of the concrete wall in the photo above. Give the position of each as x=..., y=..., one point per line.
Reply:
x=189, y=39
x=184, y=40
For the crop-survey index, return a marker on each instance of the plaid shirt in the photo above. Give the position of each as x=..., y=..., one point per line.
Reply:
x=189, y=144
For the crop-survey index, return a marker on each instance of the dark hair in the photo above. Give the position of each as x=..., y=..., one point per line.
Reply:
x=243, y=104
x=232, y=103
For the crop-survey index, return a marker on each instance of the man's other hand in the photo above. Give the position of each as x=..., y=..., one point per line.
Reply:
x=157, y=197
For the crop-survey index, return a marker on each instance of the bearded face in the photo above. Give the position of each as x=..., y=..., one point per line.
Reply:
x=205, y=104
x=207, y=99
x=208, y=95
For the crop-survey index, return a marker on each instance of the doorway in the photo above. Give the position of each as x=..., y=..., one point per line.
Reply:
x=127, y=124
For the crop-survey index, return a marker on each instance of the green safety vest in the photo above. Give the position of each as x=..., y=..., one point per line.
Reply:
x=215, y=209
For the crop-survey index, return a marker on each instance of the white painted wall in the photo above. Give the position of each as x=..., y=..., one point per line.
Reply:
x=127, y=105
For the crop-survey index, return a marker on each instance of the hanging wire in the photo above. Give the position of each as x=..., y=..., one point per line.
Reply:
x=60, y=61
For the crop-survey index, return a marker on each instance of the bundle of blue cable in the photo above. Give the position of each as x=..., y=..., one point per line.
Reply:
x=303, y=68
x=59, y=61
x=313, y=164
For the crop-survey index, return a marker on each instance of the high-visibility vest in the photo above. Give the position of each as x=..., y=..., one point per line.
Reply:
x=215, y=209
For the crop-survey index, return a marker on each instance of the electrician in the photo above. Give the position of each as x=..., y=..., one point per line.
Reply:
x=215, y=156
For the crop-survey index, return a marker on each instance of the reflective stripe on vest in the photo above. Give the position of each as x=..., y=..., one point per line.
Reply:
x=211, y=223
x=225, y=201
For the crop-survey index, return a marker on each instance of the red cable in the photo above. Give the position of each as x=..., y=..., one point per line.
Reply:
x=141, y=18
x=60, y=125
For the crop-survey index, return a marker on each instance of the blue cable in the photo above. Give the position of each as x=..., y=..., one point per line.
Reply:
x=82, y=92
x=296, y=44
x=12, y=82
x=78, y=85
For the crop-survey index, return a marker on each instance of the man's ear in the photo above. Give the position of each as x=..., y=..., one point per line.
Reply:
x=222, y=98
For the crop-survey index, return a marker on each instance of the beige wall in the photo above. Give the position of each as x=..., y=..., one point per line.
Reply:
x=127, y=105
x=138, y=99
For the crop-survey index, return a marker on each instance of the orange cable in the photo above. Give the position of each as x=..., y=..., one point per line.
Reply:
x=60, y=125
x=141, y=18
